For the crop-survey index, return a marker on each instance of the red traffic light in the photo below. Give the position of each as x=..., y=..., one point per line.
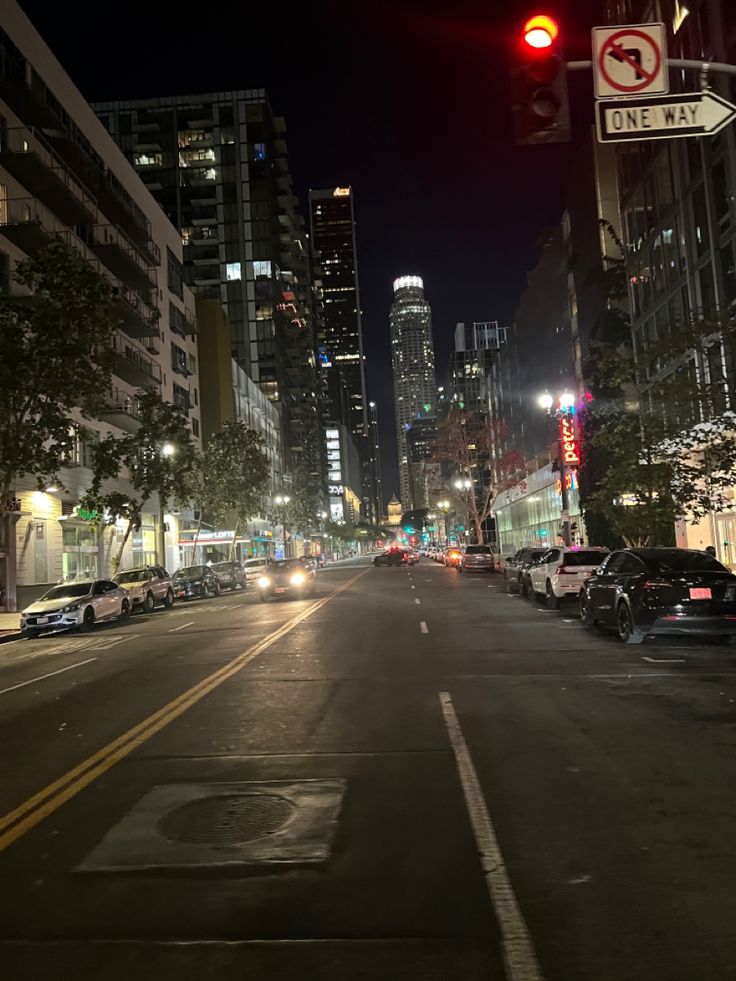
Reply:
x=540, y=31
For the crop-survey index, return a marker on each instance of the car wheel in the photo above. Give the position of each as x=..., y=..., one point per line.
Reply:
x=30, y=634
x=149, y=603
x=88, y=620
x=125, y=609
x=628, y=632
x=553, y=602
x=523, y=588
x=217, y=590
x=585, y=614
x=169, y=599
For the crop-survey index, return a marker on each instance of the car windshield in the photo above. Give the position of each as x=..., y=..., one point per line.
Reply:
x=478, y=550
x=255, y=562
x=190, y=571
x=682, y=560
x=135, y=575
x=583, y=558
x=223, y=566
x=286, y=564
x=69, y=590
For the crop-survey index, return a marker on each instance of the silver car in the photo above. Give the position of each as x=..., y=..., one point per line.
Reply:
x=75, y=604
x=476, y=558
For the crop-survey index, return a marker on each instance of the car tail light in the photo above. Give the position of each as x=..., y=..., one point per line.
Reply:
x=563, y=571
x=657, y=584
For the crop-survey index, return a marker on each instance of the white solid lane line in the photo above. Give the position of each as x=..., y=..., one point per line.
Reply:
x=180, y=627
x=664, y=660
x=423, y=627
x=41, y=677
x=520, y=959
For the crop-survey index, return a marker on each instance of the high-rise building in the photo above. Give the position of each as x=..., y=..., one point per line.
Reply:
x=412, y=354
x=217, y=164
x=63, y=179
x=476, y=346
x=374, y=443
x=332, y=231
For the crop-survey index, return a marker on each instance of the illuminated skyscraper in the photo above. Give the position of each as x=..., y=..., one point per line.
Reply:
x=412, y=354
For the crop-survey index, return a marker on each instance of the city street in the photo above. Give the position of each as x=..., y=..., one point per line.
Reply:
x=290, y=790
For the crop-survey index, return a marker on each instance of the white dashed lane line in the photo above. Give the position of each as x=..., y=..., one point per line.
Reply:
x=418, y=602
x=423, y=627
x=42, y=677
x=180, y=627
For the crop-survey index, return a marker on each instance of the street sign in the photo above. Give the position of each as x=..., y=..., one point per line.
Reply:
x=663, y=117
x=630, y=60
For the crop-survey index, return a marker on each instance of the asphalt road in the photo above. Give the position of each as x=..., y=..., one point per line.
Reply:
x=410, y=775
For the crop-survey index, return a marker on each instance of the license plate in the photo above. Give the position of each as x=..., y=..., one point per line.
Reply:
x=42, y=619
x=701, y=593
x=181, y=593
x=279, y=589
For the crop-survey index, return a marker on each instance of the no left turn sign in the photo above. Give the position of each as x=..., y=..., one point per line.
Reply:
x=630, y=60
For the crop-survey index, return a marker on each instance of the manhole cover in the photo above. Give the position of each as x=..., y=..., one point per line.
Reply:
x=225, y=820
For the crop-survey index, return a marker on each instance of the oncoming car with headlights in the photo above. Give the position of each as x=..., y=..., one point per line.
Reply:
x=286, y=577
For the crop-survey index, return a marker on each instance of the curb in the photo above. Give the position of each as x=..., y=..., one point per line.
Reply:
x=5, y=636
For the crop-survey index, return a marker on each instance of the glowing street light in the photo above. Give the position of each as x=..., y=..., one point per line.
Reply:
x=463, y=483
x=168, y=449
x=546, y=401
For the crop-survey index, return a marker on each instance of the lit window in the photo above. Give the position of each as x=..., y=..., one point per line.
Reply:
x=259, y=151
x=232, y=271
x=262, y=268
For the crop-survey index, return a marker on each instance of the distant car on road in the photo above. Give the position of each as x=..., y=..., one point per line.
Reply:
x=75, y=604
x=287, y=577
x=230, y=574
x=653, y=591
x=560, y=572
x=392, y=556
x=196, y=582
x=476, y=558
x=147, y=585
x=516, y=573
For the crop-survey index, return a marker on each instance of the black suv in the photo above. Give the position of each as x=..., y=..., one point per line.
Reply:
x=516, y=573
x=230, y=574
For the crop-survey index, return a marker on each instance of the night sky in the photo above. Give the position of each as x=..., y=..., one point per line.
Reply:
x=406, y=101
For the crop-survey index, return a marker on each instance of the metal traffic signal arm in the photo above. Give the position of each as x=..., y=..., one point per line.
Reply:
x=719, y=67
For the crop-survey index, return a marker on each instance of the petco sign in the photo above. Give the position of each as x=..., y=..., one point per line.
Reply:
x=570, y=448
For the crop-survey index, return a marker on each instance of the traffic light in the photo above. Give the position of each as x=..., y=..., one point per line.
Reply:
x=539, y=84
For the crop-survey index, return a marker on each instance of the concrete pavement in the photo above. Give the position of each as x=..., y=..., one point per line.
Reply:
x=459, y=785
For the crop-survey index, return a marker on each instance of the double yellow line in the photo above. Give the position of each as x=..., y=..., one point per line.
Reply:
x=32, y=811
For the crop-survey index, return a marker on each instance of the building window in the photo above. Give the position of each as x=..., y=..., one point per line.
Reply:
x=259, y=151
x=262, y=268
x=175, y=274
x=232, y=271
x=148, y=159
x=195, y=427
x=179, y=362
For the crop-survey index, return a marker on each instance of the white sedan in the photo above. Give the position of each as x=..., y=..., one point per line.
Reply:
x=75, y=604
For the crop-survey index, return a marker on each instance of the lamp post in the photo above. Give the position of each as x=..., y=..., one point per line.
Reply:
x=559, y=408
x=281, y=500
x=465, y=486
x=444, y=507
x=168, y=450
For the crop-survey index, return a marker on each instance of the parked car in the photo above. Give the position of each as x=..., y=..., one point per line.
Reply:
x=196, y=581
x=290, y=577
x=650, y=591
x=147, y=585
x=75, y=604
x=516, y=573
x=230, y=574
x=476, y=558
x=560, y=571
x=452, y=557
x=255, y=568
x=392, y=556
x=412, y=556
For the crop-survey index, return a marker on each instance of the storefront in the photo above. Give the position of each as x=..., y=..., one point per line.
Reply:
x=530, y=512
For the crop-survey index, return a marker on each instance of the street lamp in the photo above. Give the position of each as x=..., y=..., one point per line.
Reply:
x=281, y=500
x=559, y=408
x=167, y=451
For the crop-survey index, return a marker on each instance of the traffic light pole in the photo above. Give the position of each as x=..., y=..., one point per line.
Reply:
x=718, y=67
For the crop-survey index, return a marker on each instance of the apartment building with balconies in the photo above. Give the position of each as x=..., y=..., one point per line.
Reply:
x=63, y=177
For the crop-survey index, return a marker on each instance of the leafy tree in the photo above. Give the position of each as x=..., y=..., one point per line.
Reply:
x=466, y=442
x=54, y=358
x=150, y=469
x=661, y=420
x=231, y=476
x=305, y=500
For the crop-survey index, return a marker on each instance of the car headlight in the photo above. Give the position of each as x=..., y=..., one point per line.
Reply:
x=298, y=579
x=72, y=608
x=264, y=582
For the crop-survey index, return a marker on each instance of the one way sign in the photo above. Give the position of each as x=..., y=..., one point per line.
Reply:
x=663, y=117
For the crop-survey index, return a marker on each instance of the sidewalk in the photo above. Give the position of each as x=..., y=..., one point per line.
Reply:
x=9, y=626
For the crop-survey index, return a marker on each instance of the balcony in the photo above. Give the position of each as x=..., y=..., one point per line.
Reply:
x=120, y=208
x=28, y=224
x=182, y=322
x=121, y=410
x=122, y=257
x=26, y=155
x=25, y=93
x=132, y=365
x=137, y=317
x=153, y=343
